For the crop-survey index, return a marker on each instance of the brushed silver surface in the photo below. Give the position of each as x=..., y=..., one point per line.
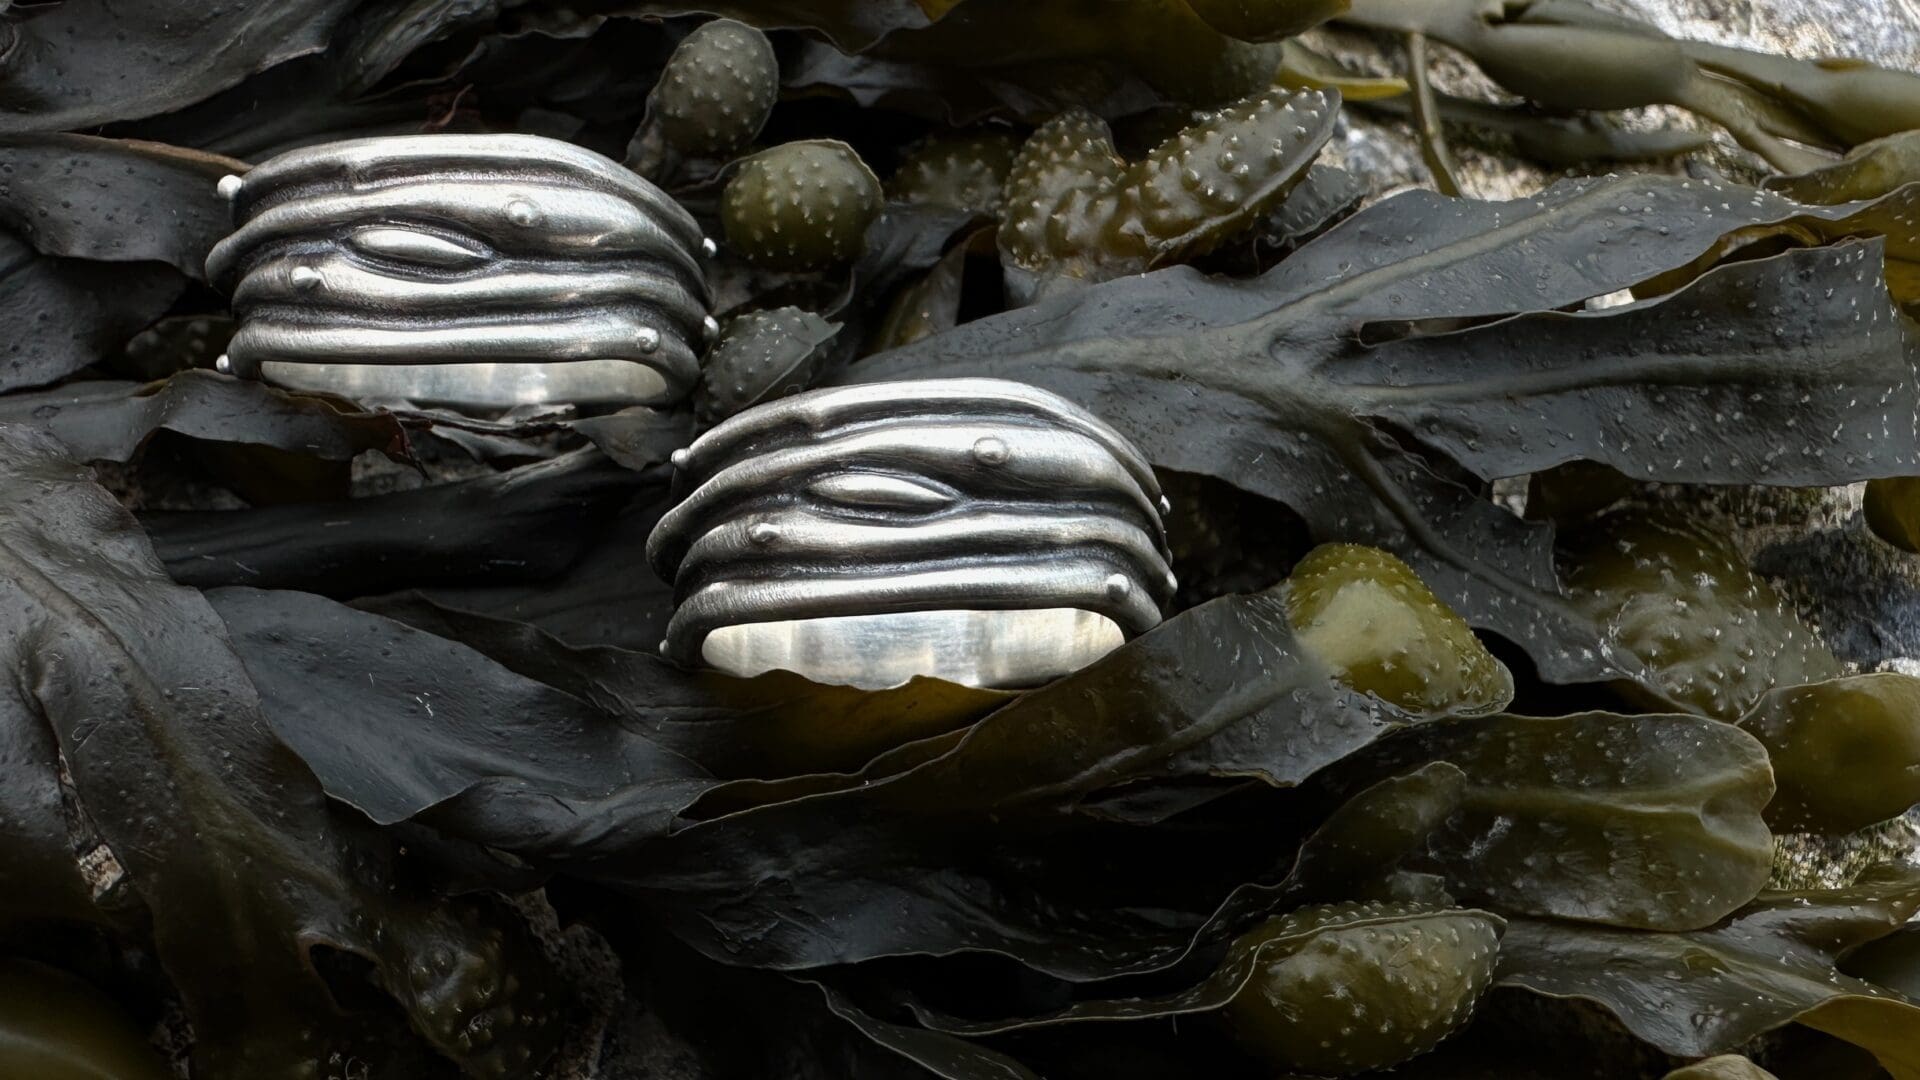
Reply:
x=476, y=271
x=978, y=530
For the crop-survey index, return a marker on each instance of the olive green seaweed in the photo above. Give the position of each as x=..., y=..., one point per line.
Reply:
x=1723, y=1067
x=800, y=205
x=1369, y=618
x=714, y=96
x=1651, y=822
x=1078, y=213
x=1845, y=753
x=1567, y=55
x=1675, y=593
x=1330, y=990
x=55, y=1026
x=1892, y=508
x=1712, y=990
x=244, y=869
x=966, y=170
x=1372, y=378
x=761, y=355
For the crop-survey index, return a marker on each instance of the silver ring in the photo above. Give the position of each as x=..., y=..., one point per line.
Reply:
x=981, y=531
x=480, y=271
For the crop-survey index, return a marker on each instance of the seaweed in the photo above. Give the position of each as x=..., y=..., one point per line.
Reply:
x=337, y=744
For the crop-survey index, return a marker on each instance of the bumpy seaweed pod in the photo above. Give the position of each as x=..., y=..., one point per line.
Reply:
x=1063, y=196
x=482, y=271
x=759, y=356
x=1222, y=174
x=476, y=986
x=1678, y=596
x=717, y=90
x=1348, y=988
x=1370, y=618
x=801, y=206
x=966, y=170
x=1077, y=210
x=1845, y=753
x=979, y=530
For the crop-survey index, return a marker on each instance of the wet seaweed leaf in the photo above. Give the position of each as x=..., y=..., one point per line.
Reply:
x=395, y=722
x=1892, y=962
x=115, y=200
x=1420, y=337
x=1869, y=171
x=773, y=725
x=1329, y=990
x=244, y=868
x=1710, y=991
x=1568, y=55
x=1642, y=821
x=942, y=1055
x=865, y=853
x=109, y=420
x=60, y=72
x=60, y=315
x=40, y=878
x=524, y=525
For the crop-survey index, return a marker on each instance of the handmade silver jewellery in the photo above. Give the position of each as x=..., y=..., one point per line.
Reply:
x=481, y=271
x=978, y=530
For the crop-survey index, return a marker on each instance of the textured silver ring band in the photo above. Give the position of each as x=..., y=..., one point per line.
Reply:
x=982, y=531
x=477, y=271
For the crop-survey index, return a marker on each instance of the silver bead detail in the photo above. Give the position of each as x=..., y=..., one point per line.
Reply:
x=991, y=451
x=229, y=187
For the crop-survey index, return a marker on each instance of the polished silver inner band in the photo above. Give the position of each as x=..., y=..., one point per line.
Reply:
x=977, y=648
x=977, y=530
x=480, y=386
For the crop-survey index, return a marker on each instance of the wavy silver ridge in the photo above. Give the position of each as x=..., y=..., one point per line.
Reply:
x=976, y=529
x=434, y=260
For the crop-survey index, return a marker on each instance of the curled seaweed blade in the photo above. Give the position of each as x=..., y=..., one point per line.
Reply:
x=60, y=73
x=245, y=869
x=1421, y=337
x=1218, y=690
x=1869, y=171
x=109, y=420
x=1845, y=753
x=1713, y=635
x=1711, y=990
x=1329, y=990
x=115, y=200
x=1551, y=803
